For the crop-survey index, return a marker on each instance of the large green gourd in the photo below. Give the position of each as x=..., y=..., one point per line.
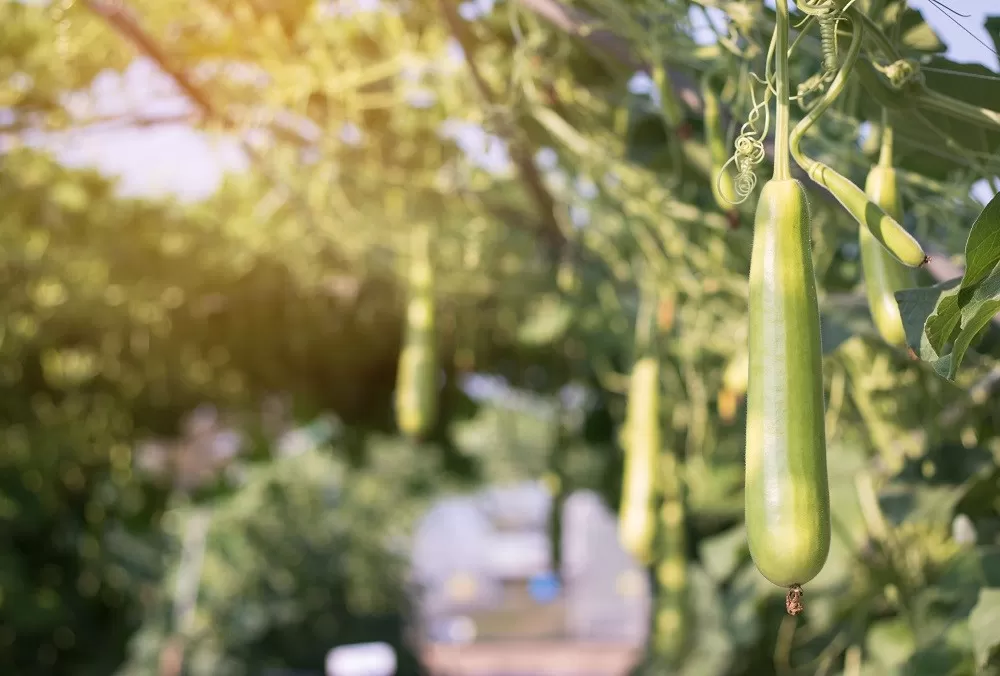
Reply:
x=787, y=495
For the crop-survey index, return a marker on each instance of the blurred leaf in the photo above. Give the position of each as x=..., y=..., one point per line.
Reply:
x=969, y=571
x=992, y=26
x=722, y=554
x=712, y=652
x=890, y=643
x=915, y=33
x=547, y=321
x=714, y=487
x=940, y=656
x=648, y=136
x=511, y=437
x=303, y=554
x=984, y=622
x=916, y=501
x=841, y=319
x=742, y=600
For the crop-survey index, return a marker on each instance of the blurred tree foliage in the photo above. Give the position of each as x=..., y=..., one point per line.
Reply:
x=290, y=567
x=516, y=134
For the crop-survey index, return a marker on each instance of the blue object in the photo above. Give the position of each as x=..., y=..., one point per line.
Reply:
x=544, y=587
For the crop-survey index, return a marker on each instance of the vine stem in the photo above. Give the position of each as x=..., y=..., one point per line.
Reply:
x=782, y=154
x=833, y=91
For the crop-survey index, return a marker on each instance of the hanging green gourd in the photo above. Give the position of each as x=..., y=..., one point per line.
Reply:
x=883, y=274
x=417, y=377
x=787, y=502
x=641, y=435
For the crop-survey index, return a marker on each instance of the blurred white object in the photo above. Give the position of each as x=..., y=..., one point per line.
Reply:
x=521, y=506
x=447, y=556
x=963, y=531
x=361, y=659
x=608, y=594
x=513, y=556
x=462, y=630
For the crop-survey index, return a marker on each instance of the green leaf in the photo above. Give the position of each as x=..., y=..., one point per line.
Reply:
x=941, y=325
x=916, y=305
x=979, y=320
x=982, y=249
x=984, y=622
x=962, y=312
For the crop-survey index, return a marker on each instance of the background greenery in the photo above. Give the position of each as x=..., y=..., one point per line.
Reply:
x=280, y=298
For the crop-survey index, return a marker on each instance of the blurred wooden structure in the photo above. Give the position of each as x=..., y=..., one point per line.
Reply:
x=489, y=602
x=531, y=658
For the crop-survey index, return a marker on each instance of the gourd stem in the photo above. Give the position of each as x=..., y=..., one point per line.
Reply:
x=782, y=163
x=885, y=152
x=835, y=89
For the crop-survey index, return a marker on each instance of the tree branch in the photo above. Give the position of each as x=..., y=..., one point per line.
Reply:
x=550, y=229
x=120, y=18
x=100, y=123
x=117, y=15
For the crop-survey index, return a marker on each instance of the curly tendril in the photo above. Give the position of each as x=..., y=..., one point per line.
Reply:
x=828, y=14
x=749, y=146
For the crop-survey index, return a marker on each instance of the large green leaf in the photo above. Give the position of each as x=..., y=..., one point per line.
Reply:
x=984, y=622
x=926, y=142
x=962, y=311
